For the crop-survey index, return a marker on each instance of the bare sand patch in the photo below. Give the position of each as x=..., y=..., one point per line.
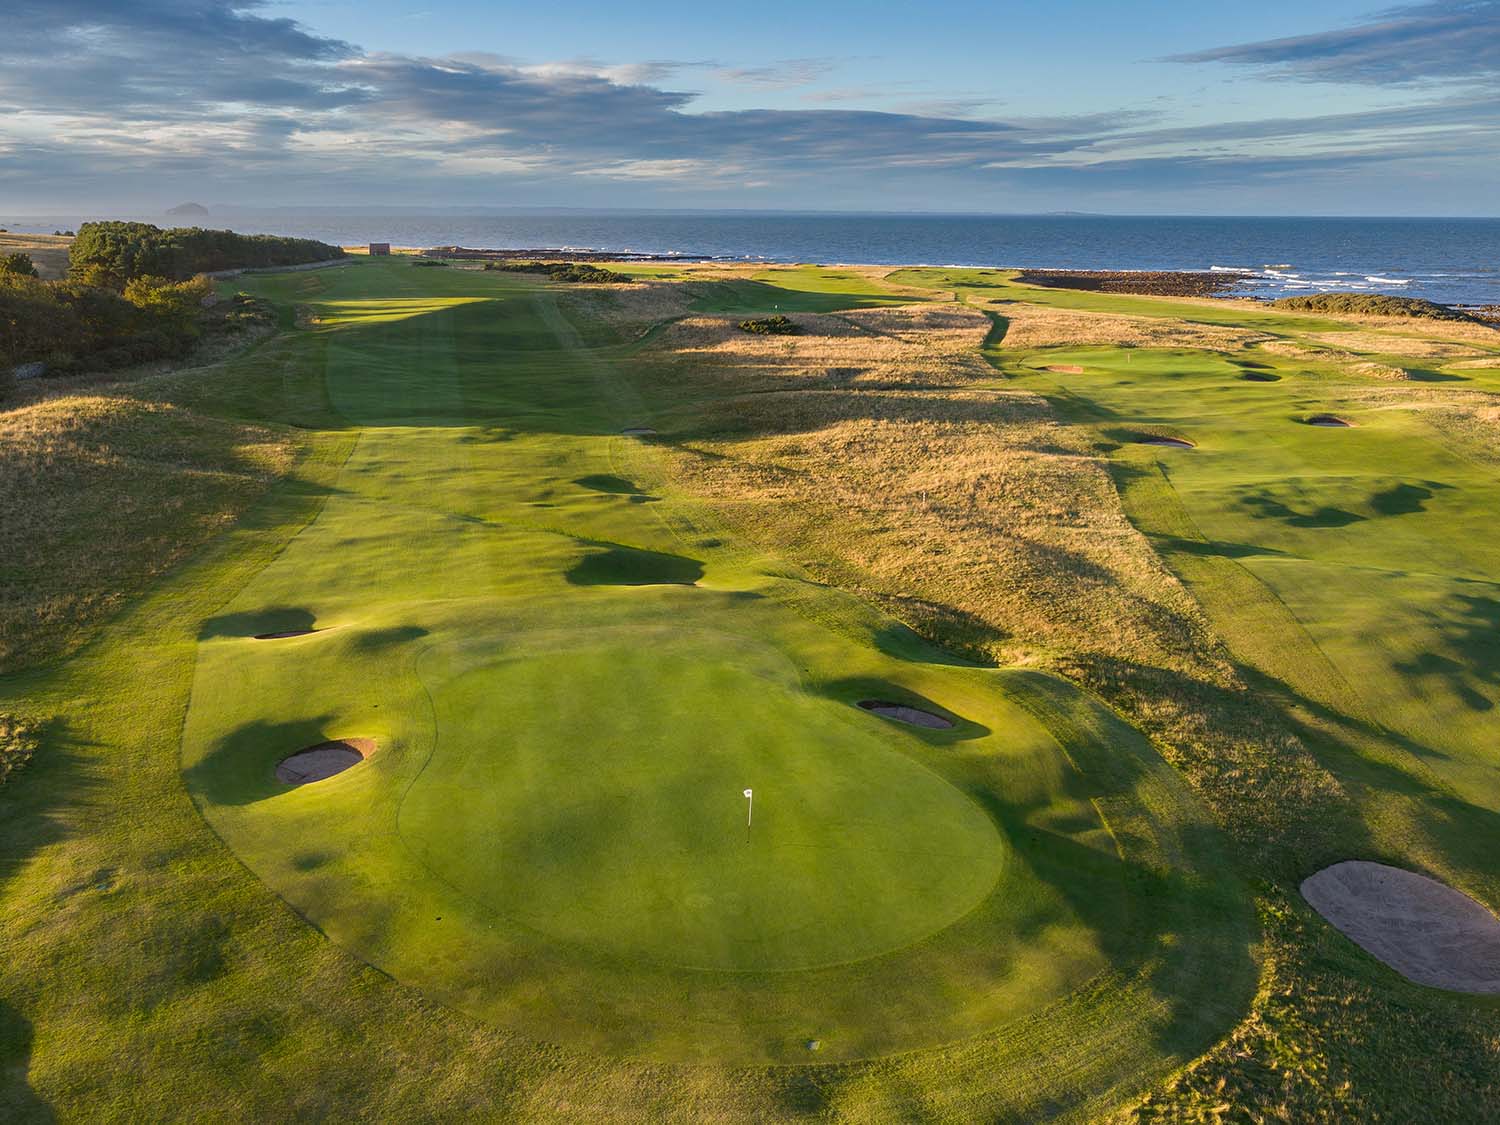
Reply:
x=1426, y=930
x=902, y=713
x=320, y=762
x=1064, y=368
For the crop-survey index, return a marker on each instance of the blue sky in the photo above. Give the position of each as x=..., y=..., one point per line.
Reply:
x=1145, y=107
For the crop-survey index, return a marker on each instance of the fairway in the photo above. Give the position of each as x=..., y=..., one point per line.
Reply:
x=571, y=673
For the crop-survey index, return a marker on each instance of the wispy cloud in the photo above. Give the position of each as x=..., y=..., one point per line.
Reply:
x=1418, y=43
x=782, y=75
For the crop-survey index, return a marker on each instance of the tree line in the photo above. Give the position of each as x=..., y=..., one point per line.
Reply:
x=113, y=253
x=134, y=293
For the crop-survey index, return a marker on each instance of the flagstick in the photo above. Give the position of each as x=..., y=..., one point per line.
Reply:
x=749, y=812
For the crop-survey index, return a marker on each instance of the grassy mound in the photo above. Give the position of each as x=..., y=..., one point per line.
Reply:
x=104, y=493
x=1369, y=304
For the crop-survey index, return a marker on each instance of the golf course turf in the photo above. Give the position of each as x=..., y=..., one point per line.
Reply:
x=571, y=690
x=548, y=663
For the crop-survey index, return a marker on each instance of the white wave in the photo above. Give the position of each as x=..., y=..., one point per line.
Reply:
x=1388, y=280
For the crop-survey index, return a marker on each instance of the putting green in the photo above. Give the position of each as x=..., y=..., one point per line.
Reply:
x=561, y=794
x=572, y=673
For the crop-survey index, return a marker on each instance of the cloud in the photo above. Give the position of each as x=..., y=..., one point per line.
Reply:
x=221, y=93
x=164, y=57
x=782, y=75
x=1417, y=43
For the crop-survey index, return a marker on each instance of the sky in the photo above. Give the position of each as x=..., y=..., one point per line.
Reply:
x=1150, y=107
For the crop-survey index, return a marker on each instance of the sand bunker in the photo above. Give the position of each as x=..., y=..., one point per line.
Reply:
x=1065, y=369
x=1425, y=930
x=322, y=761
x=904, y=714
x=1260, y=377
x=1329, y=420
x=1169, y=442
x=639, y=431
x=283, y=634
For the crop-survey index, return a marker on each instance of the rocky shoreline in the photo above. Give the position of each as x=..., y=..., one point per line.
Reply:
x=1151, y=283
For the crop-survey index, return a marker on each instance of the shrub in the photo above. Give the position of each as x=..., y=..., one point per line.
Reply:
x=71, y=325
x=18, y=743
x=18, y=263
x=576, y=273
x=770, y=326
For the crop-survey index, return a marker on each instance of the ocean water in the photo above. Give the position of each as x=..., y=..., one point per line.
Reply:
x=1454, y=261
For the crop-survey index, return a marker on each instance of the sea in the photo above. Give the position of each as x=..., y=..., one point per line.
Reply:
x=1452, y=261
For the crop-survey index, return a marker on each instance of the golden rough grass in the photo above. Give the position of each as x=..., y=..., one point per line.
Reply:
x=630, y=309
x=48, y=251
x=1389, y=343
x=901, y=346
x=1038, y=326
x=102, y=494
x=976, y=500
x=1347, y=361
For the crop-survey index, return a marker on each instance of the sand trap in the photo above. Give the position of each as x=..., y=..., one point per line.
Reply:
x=322, y=761
x=1332, y=421
x=1065, y=369
x=1169, y=442
x=1425, y=930
x=1260, y=377
x=904, y=714
x=639, y=431
x=283, y=634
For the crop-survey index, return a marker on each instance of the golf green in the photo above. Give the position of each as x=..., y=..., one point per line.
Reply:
x=561, y=793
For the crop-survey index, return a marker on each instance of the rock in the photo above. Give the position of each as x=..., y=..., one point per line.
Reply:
x=30, y=370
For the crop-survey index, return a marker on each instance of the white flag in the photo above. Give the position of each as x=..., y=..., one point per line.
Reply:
x=748, y=792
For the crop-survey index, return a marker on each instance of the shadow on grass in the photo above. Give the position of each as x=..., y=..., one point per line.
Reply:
x=852, y=691
x=252, y=623
x=241, y=768
x=18, y=1101
x=384, y=638
x=617, y=565
x=41, y=804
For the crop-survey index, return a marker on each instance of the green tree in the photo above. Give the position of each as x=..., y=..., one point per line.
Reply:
x=18, y=263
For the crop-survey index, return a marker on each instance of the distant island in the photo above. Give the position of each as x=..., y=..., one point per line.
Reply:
x=196, y=210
